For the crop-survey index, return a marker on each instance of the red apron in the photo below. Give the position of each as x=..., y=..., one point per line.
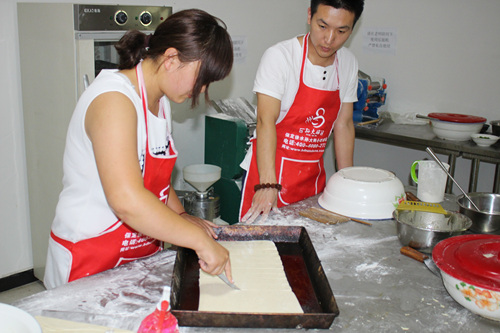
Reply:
x=119, y=243
x=301, y=141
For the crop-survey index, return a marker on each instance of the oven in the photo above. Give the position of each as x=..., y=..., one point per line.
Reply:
x=99, y=27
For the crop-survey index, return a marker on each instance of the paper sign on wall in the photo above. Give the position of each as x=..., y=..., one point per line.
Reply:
x=240, y=49
x=380, y=40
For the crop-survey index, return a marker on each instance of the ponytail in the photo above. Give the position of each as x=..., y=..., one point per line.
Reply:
x=195, y=34
x=131, y=48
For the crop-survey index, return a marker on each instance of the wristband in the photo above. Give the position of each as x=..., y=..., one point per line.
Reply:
x=182, y=213
x=267, y=185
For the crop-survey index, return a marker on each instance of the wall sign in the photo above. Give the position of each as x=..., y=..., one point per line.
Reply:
x=380, y=40
x=240, y=49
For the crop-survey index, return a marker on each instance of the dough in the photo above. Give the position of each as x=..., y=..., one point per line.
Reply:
x=53, y=325
x=258, y=272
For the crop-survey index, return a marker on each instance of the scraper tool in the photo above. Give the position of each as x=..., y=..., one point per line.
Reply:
x=226, y=280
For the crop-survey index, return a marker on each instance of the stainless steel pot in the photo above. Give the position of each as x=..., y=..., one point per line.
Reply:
x=423, y=230
x=495, y=127
x=204, y=205
x=487, y=219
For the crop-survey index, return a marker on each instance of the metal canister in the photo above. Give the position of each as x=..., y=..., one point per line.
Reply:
x=202, y=204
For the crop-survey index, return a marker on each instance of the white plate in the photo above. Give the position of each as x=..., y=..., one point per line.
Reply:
x=15, y=320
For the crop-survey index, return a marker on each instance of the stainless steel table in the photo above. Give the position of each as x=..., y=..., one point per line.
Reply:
x=421, y=136
x=376, y=288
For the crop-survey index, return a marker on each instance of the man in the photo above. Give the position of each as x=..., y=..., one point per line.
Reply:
x=305, y=88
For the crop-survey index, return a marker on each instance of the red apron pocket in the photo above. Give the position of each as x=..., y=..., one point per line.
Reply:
x=300, y=179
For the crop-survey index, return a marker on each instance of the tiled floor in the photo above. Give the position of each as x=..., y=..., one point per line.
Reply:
x=12, y=295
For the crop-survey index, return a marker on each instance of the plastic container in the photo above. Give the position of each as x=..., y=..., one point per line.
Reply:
x=161, y=320
x=431, y=180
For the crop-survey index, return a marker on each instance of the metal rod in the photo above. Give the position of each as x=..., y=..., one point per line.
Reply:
x=496, y=181
x=429, y=150
x=452, y=161
x=474, y=174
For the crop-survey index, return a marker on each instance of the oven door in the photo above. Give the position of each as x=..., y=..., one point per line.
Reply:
x=95, y=52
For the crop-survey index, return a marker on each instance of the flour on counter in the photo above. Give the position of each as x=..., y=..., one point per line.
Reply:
x=376, y=288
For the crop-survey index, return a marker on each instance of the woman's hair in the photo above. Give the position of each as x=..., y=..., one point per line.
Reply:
x=195, y=34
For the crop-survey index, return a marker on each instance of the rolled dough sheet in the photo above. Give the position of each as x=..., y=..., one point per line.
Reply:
x=258, y=271
x=54, y=325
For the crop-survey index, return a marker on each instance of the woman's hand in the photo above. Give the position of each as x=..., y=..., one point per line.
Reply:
x=203, y=224
x=264, y=200
x=214, y=259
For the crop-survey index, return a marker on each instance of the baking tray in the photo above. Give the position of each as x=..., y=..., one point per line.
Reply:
x=302, y=268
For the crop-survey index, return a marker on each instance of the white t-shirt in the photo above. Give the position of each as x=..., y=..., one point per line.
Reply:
x=278, y=76
x=82, y=210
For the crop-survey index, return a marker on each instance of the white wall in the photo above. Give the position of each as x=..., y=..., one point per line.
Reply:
x=15, y=246
x=254, y=20
x=446, y=61
x=250, y=19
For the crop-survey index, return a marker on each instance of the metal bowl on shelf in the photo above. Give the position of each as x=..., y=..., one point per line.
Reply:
x=487, y=219
x=495, y=127
x=423, y=230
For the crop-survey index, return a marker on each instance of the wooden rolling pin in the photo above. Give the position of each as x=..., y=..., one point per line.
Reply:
x=414, y=254
x=368, y=122
x=327, y=217
x=411, y=197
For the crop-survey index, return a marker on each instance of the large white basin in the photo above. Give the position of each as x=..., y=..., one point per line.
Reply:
x=363, y=192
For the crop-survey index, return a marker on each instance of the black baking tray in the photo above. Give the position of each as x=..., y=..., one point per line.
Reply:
x=302, y=268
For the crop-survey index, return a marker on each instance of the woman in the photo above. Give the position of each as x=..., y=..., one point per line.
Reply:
x=117, y=204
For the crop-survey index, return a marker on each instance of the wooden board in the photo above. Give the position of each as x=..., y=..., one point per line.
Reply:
x=323, y=216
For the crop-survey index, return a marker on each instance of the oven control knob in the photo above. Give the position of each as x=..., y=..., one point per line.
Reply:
x=121, y=17
x=146, y=18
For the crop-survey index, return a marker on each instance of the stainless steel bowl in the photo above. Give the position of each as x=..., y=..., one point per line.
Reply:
x=423, y=230
x=495, y=127
x=487, y=219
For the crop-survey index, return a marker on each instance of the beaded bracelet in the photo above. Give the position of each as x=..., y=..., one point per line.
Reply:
x=267, y=185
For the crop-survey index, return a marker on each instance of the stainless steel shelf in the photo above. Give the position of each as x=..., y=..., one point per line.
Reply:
x=421, y=136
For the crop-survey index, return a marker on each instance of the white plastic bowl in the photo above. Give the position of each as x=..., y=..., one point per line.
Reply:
x=484, y=140
x=448, y=130
x=363, y=192
x=470, y=268
x=15, y=320
x=483, y=302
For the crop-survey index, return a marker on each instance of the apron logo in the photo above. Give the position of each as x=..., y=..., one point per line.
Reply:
x=164, y=194
x=318, y=120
